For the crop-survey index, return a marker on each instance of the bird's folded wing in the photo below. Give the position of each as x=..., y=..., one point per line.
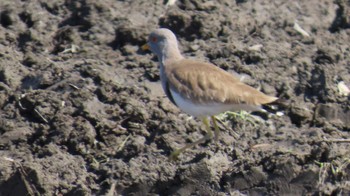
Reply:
x=207, y=83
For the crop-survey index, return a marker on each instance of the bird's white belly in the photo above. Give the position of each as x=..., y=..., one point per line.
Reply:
x=210, y=109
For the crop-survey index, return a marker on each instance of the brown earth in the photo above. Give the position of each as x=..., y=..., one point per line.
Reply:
x=83, y=113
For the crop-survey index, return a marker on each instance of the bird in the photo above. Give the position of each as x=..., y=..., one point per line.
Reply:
x=198, y=88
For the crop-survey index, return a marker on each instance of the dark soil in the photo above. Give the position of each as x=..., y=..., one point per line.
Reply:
x=83, y=113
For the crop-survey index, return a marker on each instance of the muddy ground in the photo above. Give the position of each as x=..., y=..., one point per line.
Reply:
x=83, y=113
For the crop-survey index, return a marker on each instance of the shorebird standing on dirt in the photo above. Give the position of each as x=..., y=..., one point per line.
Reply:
x=198, y=88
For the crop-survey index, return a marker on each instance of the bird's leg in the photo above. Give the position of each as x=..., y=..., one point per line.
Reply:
x=216, y=128
x=174, y=155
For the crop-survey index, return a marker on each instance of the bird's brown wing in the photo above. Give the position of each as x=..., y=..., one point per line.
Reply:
x=204, y=82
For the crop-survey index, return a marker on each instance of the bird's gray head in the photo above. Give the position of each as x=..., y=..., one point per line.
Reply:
x=163, y=43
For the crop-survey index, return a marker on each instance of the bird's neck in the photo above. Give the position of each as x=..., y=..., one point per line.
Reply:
x=170, y=54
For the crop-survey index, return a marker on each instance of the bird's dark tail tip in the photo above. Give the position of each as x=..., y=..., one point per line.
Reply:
x=280, y=103
x=273, y=107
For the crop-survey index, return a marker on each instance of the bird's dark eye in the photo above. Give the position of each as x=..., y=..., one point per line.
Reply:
x=154, y=39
